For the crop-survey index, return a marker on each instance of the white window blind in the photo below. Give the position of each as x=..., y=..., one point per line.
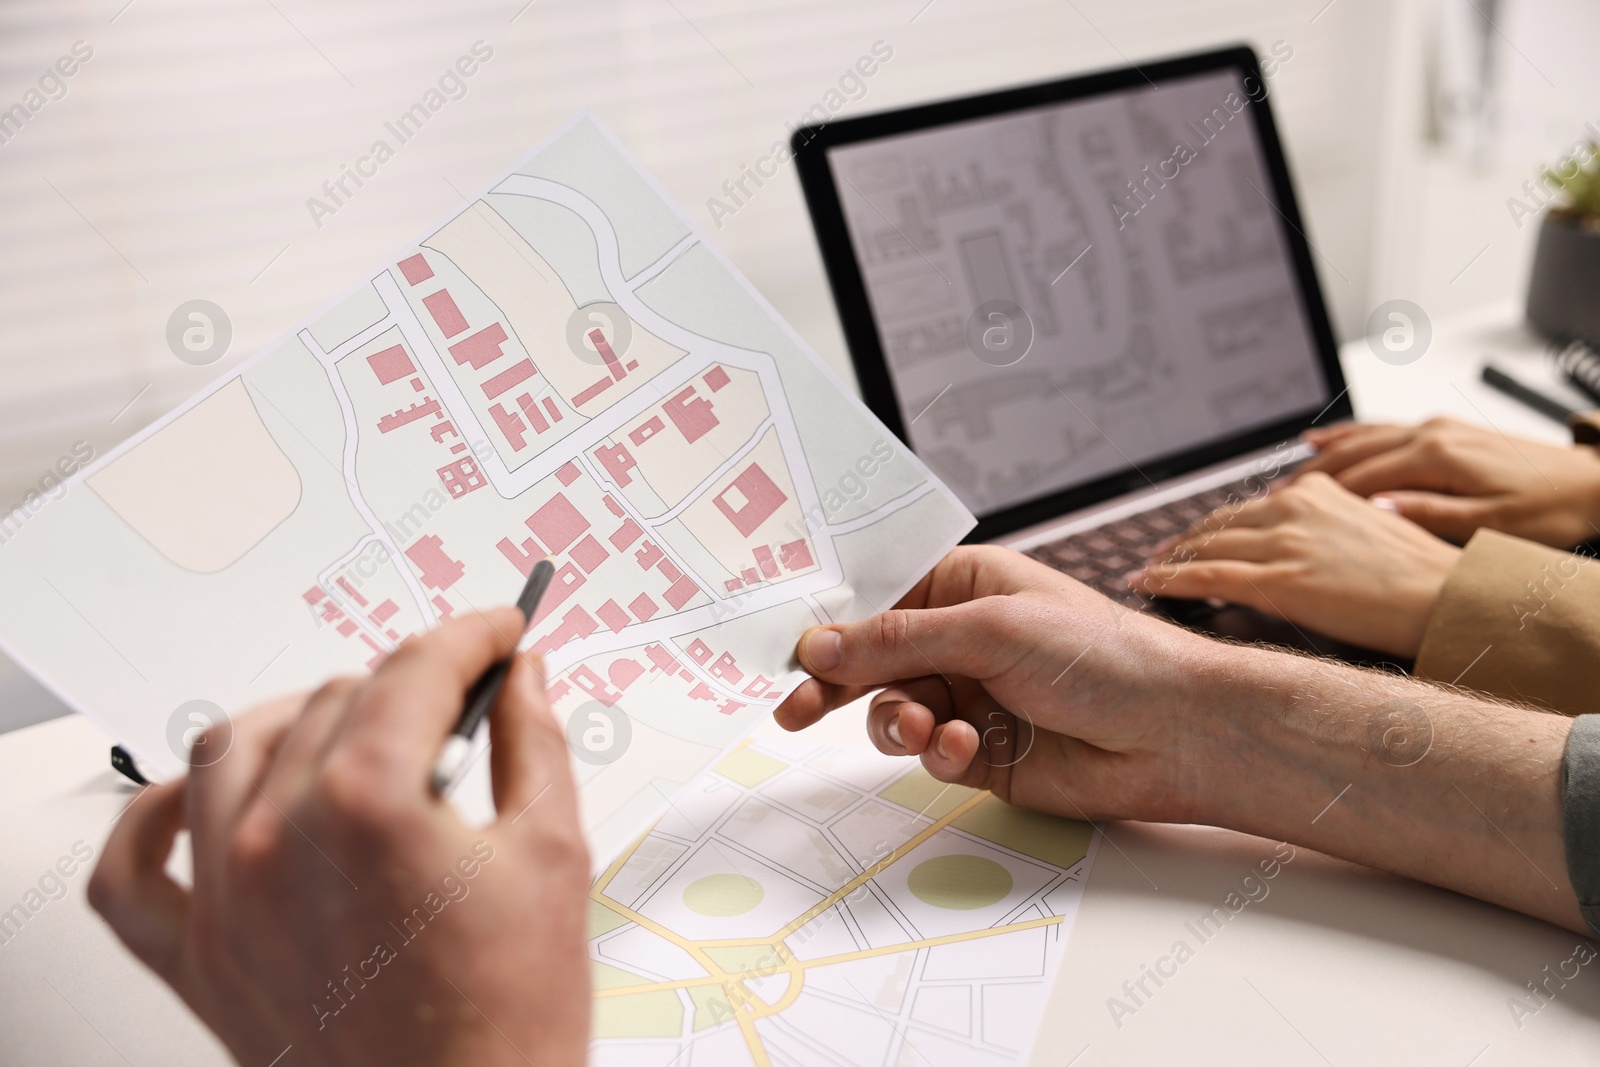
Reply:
x=177, y=161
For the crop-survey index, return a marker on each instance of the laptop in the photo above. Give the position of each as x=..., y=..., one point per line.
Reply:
x=1089, y=305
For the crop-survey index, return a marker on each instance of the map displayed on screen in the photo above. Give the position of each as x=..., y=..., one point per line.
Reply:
x=1067, y=291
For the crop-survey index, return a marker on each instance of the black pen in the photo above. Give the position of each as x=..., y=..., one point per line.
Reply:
x=1498, y=379
x=486, y=690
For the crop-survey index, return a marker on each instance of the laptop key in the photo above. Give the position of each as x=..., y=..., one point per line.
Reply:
x=1162, y=522
x=1132, y=535
x=1064, y=552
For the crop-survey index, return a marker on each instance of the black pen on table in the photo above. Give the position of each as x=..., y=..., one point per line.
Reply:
x=1548, y=406
x=486, y=690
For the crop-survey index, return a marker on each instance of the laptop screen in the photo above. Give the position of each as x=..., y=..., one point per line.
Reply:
x=1070, y=290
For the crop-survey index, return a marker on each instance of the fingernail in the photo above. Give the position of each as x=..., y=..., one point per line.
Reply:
x=1135, y=578
x=894, y=731
x=824, y=649
x=1386, y=504
x=940, y=746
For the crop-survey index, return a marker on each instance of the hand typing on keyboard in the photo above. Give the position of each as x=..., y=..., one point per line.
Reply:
x=1454, y=478
x=1316, y=554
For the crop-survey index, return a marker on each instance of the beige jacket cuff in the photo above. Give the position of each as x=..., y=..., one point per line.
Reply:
x=1519, y=621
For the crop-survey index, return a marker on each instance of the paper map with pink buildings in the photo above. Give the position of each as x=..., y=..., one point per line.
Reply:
x=564, y=368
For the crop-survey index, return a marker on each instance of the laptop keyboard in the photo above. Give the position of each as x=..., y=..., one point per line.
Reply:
x=1099, y=558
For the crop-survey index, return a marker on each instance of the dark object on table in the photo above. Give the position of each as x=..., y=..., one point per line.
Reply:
x=122, y=762
x=1499, y=380
x=1565, y=279
x=1580, y=363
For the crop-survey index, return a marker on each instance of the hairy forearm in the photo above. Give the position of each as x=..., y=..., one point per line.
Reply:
x=1406, y=777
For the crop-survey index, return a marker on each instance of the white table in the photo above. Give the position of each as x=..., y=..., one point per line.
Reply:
x=1336, y=965
x=1445, y=379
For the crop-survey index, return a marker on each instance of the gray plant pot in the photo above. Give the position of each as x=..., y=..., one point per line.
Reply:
x=1564, y=288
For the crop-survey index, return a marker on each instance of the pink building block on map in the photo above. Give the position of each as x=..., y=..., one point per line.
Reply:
x=663, y=661
x=643, y=607
x=416, y=269
x=509, y=379
x=593, y=391
x=558, y=524
x=624, y=672
x=681, y=592
x=514, y=429
x=461, y=477
x=435, y=568
x=795, y=556
x=648, y=556
x=569, y=474
x=726, y=669
x=350, y=591
x=481, y=349
x=536, y=417
x=589, y=554
x=442, y=307
x=586, y=679
x=522, y=557
x=391, y=364
x=575, y=625
x=612, y=615
x=750, y=500
x=647, y=430
x=617, y=461
x=691, y=414
x=716, y=378
x=406, y=416
x=627, y=534
x=602, y=346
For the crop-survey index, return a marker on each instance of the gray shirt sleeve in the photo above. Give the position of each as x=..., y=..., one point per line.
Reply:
x=1580, y=814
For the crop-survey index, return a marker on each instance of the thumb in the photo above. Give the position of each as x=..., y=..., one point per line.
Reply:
x=1454, y=518
x=130, y=886
x=904, y=643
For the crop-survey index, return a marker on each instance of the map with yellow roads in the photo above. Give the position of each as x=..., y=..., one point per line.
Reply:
x=805, y=903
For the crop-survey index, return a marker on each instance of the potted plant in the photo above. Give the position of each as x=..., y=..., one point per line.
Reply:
x=1564, y=288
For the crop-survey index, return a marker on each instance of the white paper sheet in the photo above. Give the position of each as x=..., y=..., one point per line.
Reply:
x=563, y=367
